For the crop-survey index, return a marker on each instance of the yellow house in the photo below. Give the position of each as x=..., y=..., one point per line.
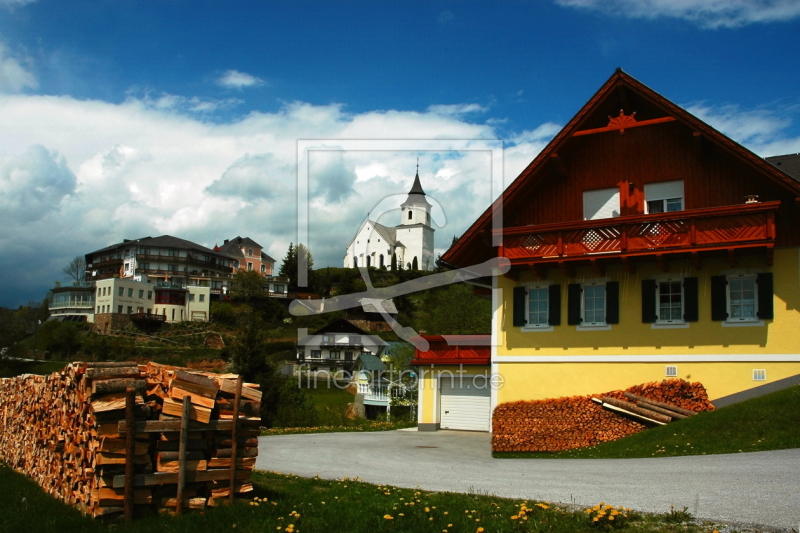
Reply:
x=643, y=245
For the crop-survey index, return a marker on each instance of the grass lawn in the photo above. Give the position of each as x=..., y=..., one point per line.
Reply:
x=289, y=504
x=769, y=422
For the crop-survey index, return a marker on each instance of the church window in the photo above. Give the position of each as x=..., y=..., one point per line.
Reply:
x=381, y=261
x=409, y=214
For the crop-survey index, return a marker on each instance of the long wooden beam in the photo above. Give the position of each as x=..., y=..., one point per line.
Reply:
x=158, y=426
x=626, y=127
x=165, y=478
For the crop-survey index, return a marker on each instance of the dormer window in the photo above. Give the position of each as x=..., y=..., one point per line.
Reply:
x=409, y=214
x=664, y=197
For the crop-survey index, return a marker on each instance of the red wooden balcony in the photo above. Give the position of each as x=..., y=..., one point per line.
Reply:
x=718, y=228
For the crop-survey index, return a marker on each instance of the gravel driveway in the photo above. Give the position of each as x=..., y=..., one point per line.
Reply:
x=748, y=488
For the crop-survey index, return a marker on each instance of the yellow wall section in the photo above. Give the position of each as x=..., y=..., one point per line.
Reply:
x=536, y=381
x=632, y=337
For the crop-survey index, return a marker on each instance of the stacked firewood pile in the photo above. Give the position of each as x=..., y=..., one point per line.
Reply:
x=568, y=423
x=67, y=432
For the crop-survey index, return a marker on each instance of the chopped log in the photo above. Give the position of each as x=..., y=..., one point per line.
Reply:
x=657, y=409
x=663, y=405
x=113, y=372
x=652, y=415
x=177, y=393
x=241, y=452
x=199, y=381
x=196, y=412
x=626, y=412
x=229, y=386
x=108, y=364
x=105, y=386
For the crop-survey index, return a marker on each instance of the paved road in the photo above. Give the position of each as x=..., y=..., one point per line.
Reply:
x=749, y=488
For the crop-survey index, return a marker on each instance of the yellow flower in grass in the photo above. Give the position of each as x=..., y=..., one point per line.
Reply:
x=479, y=530
x=596, y=508
x=427, y=509
x=388, y=517
x=595, y=519
x=611, y=517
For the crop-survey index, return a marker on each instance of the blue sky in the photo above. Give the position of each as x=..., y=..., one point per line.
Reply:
x=121, y=119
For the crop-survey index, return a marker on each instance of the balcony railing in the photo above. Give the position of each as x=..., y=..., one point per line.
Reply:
x=679, y=231
x=72, y=303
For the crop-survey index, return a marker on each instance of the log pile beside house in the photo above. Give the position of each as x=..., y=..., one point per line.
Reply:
x=68, y=432
x=567, y=423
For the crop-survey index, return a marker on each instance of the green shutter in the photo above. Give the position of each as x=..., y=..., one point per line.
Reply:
x=765, y=293
x=554, y=305
x=719, y=298
x=649, y=301
x=520, y=303
x=612, y=302
x=574, y=304
x=691, y=312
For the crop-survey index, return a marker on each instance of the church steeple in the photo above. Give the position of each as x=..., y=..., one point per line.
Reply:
x=416, y=209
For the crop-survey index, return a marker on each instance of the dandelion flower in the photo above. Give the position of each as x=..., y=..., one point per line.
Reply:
x=388, y=517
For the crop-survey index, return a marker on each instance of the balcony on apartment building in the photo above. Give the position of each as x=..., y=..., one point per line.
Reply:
x=113, y=262
x=716, y=229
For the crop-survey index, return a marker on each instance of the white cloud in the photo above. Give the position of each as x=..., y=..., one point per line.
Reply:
x=758, y=129
x=32, y=185
x=14, y=77
x=233, y=79
x=705, y=13
x=457, y=109
x=78, y=175
x=15, y=3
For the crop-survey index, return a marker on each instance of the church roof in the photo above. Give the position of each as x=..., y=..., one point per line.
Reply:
x=417, y=187
x=416, y=195
x=389, y=234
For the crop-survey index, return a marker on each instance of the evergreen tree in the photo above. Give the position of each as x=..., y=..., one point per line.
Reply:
x=394, y=261
x=290, y=262
x=414, y=264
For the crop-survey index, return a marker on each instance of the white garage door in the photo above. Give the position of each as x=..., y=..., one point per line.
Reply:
x=465, y=406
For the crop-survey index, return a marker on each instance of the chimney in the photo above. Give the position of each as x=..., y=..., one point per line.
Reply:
x=225, y=241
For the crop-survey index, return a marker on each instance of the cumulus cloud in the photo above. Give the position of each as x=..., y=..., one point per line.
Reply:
x=78, y=175
x=32, y=185
x=233, y=79
x=706, y=14
x=14, y=77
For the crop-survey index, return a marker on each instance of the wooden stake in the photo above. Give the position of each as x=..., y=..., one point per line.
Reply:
x=187, y=402
x=234, y=446
x=130, y=445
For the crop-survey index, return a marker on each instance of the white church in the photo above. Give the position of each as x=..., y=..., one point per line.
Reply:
x=410, y=243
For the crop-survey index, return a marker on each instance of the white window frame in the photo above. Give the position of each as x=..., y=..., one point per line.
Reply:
x=664, y=198
x=594, y=325
x=542, y=285
x=661, y=321
x=754, y=320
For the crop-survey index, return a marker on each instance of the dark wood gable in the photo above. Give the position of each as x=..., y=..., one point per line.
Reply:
x=625, y=137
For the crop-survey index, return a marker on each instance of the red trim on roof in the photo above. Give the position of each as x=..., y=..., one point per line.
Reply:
x=455, y=350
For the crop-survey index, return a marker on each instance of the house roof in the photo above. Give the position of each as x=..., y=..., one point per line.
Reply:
x=234, y=246
x=371, y=362
x=370, y=305
x=476, y=243
x=164, y=241
x=341, y=326
x=789, y=164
